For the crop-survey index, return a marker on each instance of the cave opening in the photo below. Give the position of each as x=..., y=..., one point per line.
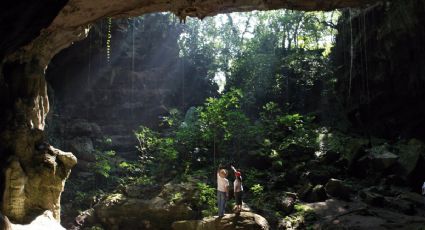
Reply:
x=323, y=115
x=143, y=71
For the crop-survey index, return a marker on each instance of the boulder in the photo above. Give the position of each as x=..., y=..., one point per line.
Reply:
x=410, y=155
x=317, y=176
x=317, y=194
x=312, y=194
x=337, y=188
x=354, y=149
x=370, y=196
x=83, y=148
x=142, y=207
x=414, y=198
x=400, y=205
x=117, y=211
x=245, y=220
x=384, y=160
x=304, y=191
x=286, y=204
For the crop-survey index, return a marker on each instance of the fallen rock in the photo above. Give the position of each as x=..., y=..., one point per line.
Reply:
x=381, y=157
x=337, y=214
x=142, y=207
x=117, y=211
x=337, y=188
x=397, y=204
x=318, y=176
x=304, y=191
x=410, y=155
x=416, y=199
x=318, y=193
x=371, y=197
x=246, y=220
x=83, y=148
x=286, y=204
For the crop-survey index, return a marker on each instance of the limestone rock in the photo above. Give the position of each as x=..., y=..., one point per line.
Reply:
x=370, y=196
x=337, y=214
x=384, y=160
x=146, y=208
x=82, y=147
x=354, y=150
x=312, y=194
x=46, y=182
x=286, y=204
x=317, y=194
x=337, y=188
x=119, y=212
x=403, y=206
x=246, y=220
x=304, y=191
x=410, y=155
x=416, y=199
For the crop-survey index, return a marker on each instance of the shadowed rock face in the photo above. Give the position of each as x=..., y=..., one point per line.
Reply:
x=26, y=49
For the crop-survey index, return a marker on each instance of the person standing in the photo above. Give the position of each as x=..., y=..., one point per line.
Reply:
x=222, y=191
x=238, y=189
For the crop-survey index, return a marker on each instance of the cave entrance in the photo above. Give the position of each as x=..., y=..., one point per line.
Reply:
x=145, y=70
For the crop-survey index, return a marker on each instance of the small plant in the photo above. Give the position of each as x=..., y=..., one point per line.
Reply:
x=257, y=190
x=176, y=197
x=301, y=218
x=207, y=200
x=102, y=166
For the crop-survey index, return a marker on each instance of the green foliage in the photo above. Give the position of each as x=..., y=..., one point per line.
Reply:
x=157, y=153
x=258, y=195
x=301, y=218
x=102, y=165
x=257, y=190
x=282, y=130
x=207, y=199
x=224, y=125
x=176, y=197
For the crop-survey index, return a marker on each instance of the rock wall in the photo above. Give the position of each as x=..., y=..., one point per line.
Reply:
x=380, y=60
x=93, y=99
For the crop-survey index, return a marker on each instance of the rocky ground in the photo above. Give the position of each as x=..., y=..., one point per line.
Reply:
x=351, y=187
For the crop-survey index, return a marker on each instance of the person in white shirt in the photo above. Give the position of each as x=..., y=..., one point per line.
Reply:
x=222, y=191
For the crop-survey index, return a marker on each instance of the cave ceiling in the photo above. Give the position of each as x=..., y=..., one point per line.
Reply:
x=55, y=24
